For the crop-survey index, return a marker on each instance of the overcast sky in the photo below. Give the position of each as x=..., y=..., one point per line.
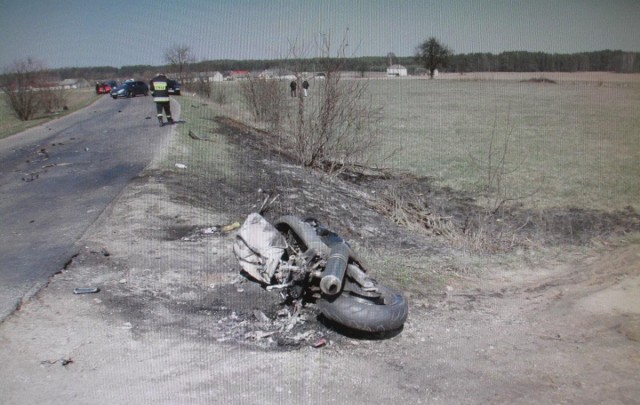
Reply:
x=67, y=33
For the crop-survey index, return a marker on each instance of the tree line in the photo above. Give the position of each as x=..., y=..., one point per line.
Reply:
x=512, y=61
x=521, y=61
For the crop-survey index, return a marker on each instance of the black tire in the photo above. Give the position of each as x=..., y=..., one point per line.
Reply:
x=365, y=315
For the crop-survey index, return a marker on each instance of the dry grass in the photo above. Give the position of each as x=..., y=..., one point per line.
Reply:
x=574, y=143
x=413, y=213
x=577, y=143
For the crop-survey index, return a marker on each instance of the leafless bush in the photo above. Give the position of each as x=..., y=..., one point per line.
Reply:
x=333, y=129
x=22, y=84
x=201, y=86
x=339, y=128
x=498, y=186
x=220, y=94
x=264, y=98
x=53, y=99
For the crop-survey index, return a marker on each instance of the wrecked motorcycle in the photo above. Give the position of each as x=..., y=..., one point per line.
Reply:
x=310, y=263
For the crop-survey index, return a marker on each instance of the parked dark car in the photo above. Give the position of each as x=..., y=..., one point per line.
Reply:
x=174, y=87
x=130, y=89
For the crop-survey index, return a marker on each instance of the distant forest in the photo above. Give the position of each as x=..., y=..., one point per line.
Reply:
x=516, y=61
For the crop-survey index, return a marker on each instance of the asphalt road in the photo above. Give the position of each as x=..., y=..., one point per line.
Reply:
x=56, y=180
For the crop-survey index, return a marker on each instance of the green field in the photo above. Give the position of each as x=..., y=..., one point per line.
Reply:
x=571, y=144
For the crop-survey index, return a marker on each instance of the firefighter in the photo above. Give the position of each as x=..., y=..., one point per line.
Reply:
x=159, y=86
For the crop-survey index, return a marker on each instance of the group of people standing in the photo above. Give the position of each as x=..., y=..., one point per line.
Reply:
x=294, y=86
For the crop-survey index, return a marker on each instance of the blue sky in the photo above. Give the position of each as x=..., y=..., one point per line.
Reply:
x=66, y=33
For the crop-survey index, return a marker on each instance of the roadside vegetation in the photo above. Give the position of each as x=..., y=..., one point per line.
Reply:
x=75, y=99
x=573, y=144
x=498, y=173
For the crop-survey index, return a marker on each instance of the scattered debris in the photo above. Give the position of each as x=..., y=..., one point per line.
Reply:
x=30, y=177
x=260, y=316
x=192, y=135
x=258, y=334
x=86, y=290
x=56, y=165
x=63, y=362
x=231, y=227
x=198, y=233
x=320, y=343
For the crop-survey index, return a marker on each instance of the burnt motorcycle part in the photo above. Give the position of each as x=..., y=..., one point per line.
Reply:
x=386, y=313
x=316, y=265
x=333, y=274
x=305, y=232
x=360, y=277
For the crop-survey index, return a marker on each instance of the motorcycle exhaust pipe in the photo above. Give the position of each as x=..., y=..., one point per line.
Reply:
x=333, y=274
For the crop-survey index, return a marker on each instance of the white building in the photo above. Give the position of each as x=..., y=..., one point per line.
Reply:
x=216, y=77
x=396, y=70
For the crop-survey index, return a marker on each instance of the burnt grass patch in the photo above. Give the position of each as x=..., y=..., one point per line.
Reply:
x=354, y=204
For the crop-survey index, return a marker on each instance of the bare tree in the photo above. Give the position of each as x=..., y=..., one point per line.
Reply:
x=335, y=128
x=179, y=57
x=22, y=83
x=433, y=55
x=338, y=130
x=391, y=57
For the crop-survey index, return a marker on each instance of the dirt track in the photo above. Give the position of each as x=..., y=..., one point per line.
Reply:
x=175, y=323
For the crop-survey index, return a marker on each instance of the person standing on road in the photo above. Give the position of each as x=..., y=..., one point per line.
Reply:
x=159, y=86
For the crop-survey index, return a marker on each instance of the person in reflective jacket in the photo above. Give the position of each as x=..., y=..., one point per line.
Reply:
x=159, y=86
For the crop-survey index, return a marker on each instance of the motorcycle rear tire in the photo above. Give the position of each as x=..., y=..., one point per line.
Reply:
x=365, y=315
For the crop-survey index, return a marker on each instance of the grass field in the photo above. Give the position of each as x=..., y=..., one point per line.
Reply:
x=575, y=143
